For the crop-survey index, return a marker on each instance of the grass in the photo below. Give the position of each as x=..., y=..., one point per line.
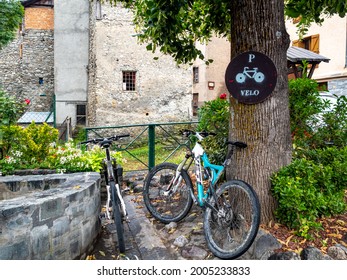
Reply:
x=133, y=161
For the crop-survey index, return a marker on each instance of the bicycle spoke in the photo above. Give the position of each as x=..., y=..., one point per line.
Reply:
x=165, y=201
x=232, y=228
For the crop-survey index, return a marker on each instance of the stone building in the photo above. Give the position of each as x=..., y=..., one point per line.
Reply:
x=85, y=55
x=27, y=68
x=130, y=86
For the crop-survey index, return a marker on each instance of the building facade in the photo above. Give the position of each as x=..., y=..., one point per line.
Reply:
x=330, y=40
x=208, y=80
x=130, y=85
x=27, y=67
x=81, y=59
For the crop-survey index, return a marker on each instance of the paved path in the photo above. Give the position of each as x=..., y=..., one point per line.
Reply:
x=148, y=239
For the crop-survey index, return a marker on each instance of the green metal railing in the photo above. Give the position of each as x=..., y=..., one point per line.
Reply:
x=146, y=135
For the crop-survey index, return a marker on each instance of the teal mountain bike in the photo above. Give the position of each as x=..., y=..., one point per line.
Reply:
x=231, y=209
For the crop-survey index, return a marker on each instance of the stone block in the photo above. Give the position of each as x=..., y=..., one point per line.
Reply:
x=40, y=241
x=51, y=209
x=61, y=226
x=20, y=250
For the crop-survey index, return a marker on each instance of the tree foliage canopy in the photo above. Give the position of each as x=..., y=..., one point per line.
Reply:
x=11, y=12
x=309, y=11
x=174, y=26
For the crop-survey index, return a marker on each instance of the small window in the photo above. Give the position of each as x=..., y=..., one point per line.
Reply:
x=323, y=86
x=129, y=80
x=195, y=74
x=81, y=114
x=195, y=104
x=310, y=43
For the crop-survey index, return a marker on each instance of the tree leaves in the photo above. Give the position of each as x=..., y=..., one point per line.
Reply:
x=174, y=26
x=11, y=16
x=309, y=11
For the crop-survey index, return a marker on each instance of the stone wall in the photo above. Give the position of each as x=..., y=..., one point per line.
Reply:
x=32, y=68
x=27, y=68
x=338, y=87
x=91, y=110
x=54, y=217
x=163, y=90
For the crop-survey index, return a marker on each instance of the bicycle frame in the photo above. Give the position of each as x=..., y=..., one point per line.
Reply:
x=110, y=177
x=197, y=155
x=217, y=171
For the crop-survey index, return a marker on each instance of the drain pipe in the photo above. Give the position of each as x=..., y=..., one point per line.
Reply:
x=346, y=44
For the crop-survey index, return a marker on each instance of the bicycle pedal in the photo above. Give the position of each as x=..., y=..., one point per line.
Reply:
x=102, y=216
x=127, y=190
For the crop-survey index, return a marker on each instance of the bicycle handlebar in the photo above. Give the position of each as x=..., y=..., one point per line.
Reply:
x=204, y=134
x=107, y=139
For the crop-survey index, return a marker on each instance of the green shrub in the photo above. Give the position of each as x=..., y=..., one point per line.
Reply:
x=65, y=158
x=311, y=187
x=334, y=127
x=10, y=110
x=36, y=140
x=312, y=125
x=214, y=117
x=27, y=147
x=304, y=105
x=69, y=158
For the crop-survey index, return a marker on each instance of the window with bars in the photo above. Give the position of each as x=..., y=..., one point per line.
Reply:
x=195, y=74
x=129, y=80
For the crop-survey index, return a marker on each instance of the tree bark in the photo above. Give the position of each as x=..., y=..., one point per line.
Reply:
x=265, y=127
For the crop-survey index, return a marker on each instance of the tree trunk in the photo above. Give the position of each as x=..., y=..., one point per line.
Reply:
x=259, y=26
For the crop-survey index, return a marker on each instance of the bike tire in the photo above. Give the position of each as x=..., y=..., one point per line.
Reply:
x=231, y=232
x=167, y=208
x=117, y=217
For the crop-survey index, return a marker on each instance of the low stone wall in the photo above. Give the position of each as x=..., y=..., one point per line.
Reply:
x=55, y=217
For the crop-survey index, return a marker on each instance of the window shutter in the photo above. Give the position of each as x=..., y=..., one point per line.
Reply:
x=298, y=43
x=314, y=43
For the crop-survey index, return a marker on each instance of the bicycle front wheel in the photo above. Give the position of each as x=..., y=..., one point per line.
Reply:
x=232, y=223
x=167, y=204
x=117, y=217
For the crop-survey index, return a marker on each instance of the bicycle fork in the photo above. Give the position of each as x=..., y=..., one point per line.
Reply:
x=120, y=198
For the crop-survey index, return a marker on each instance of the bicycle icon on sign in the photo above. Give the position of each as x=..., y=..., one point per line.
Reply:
x=250, y=73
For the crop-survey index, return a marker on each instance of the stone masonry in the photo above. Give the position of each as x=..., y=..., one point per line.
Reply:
x=163, y=90
x=27, y=68
x=61, y=222
x=338, y=87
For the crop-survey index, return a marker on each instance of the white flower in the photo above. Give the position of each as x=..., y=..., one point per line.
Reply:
x=10, y=160
x=53, y=145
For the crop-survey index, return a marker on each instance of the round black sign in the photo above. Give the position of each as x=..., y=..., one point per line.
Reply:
x=251, y=77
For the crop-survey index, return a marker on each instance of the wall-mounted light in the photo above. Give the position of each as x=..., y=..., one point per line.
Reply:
x=210, y=85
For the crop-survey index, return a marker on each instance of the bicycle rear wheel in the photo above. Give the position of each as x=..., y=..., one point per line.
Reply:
x=117, y=217
x=231, y=228
x=167, y=205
